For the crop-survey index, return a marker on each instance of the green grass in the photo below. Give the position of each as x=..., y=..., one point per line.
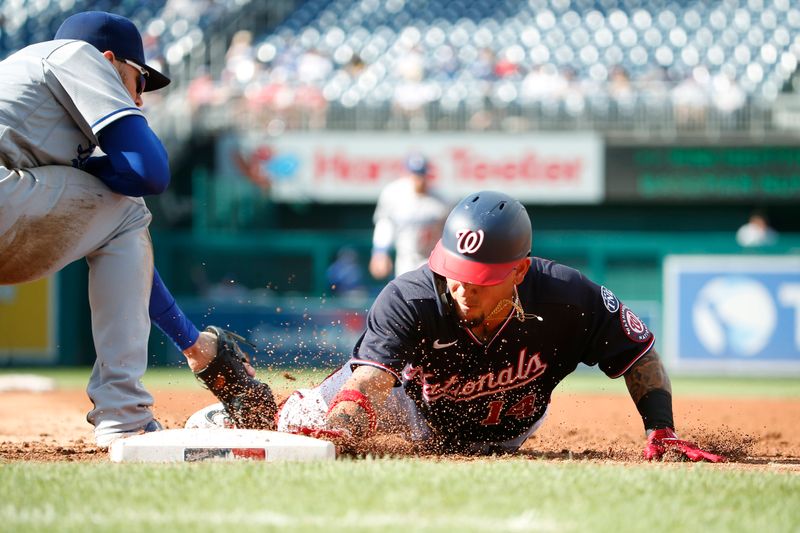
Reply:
x=396, y=495
x=585, y=381
x=170, y=378
x=682, y=385
x=497, y=494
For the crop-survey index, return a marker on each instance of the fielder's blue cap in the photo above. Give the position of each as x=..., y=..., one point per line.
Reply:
x=417, y=164
x=107, y=31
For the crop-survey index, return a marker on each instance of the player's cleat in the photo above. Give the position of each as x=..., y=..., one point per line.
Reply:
x=211, y=417
x=248, y=402
x=104, y=440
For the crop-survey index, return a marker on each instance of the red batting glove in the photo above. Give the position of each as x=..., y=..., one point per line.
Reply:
x=662, y=439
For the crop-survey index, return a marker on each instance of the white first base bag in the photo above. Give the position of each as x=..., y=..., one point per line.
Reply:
x=186, y=445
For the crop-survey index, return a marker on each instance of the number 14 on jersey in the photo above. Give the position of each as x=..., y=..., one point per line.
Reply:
x=522, y=409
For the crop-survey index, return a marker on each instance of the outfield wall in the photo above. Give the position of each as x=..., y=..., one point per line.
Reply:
x=273, y=286
x=613, y=210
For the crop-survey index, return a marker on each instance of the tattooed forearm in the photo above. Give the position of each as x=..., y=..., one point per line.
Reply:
x=374, y=385
x=645, y=375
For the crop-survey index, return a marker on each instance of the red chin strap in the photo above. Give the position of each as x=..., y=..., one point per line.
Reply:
x=352, y=395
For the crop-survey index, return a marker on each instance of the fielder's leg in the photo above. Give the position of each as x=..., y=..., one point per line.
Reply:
x=120, y=279
x=52, y=216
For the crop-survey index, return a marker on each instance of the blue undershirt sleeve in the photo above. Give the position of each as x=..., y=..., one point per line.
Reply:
x=169, y=318
x=136, y=163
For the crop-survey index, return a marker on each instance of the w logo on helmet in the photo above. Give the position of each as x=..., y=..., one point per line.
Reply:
x=469, y=241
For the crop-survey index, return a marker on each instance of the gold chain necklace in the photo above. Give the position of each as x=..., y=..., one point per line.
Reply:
x=519, y=312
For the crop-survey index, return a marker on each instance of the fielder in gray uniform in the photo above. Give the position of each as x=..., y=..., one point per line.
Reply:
x=61, y=199
x=408, y=217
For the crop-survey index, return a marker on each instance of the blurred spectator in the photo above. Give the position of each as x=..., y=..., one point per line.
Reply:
x=183, y=9
x=411, y=92
x=409, y=218
x=355, y=66
x=311, y=107
x=574, y=95
x=201, y=90
x=621, y=90
x=410, y=65
x=240, y=63
x=506, y=67
x=654, y=85
x=270, y=96
x=313, y=67
x=728, y=98
x=690, y=99
x=756, y=232
x=444, y=63
x=544, y=84
x=483, y=67
x=345, y=275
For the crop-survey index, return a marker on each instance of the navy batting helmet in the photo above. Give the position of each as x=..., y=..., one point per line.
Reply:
x=484, y=238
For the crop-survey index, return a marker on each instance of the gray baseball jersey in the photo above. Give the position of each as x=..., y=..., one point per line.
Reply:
x=55, y=97
x=409, y=221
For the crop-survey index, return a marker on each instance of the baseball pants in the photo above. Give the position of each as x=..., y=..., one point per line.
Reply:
x=51, y=216
x=308, y=407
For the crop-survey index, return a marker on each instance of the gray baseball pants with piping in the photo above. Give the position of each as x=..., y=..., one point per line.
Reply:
x=51, y=216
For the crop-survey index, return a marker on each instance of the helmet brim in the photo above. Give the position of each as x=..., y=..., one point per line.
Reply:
x=453, y=266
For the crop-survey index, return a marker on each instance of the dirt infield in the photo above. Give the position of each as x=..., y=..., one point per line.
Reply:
x=50, y=426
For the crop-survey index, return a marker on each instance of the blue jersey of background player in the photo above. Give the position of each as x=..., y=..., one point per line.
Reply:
x=463, y=354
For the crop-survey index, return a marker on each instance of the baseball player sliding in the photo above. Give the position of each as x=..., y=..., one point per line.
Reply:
x=463, y=354
x=62, y=200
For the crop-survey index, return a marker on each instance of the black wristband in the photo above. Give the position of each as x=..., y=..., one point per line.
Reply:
x=656, y=409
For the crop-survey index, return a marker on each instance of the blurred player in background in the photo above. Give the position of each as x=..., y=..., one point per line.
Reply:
x=462, y=354
x=756, y=232
x=408, y=218
x=61, y=201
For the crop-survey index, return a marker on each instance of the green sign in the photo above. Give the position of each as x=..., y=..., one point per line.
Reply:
x=768, y=173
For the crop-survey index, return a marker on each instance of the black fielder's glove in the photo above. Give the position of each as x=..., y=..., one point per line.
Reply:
x=249, y=402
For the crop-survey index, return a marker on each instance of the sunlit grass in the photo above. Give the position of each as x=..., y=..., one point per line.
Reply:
x=584, y=381
x=496, y=494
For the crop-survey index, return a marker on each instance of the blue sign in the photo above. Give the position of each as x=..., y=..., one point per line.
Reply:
x=728, y=312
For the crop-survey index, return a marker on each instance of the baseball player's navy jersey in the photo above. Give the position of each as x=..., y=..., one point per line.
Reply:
x=471, y=391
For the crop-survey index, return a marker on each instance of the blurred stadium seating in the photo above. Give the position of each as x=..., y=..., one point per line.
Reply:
x=653, y=67
x=181, y=38
x=542, y=64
